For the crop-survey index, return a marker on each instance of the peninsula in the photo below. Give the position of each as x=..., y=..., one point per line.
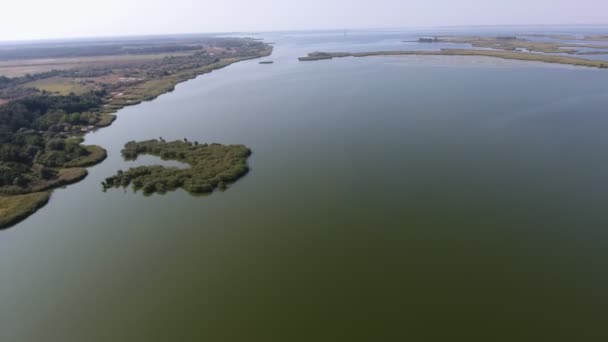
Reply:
x=505, y=47
x=521, y=56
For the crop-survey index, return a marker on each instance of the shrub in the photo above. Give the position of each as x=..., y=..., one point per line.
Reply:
x=56, y=145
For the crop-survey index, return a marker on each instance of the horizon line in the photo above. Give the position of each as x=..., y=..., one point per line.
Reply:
x=253, y=32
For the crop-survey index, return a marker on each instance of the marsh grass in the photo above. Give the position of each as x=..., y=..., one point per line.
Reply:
x=211, y=166
x=510, y=44
x=13, y=209
x=521, y=56
x=95, y=154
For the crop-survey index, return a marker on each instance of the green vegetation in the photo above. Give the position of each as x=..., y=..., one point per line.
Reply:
x=509, y=43
x=266, y=62
x=56, y=178
x=44, y=115
x=521, y=56
x=61, y=86
x=16, y=208
x=150, y=89
x=35, y=137
x=92, y=156
x=211, y=166
x=37, y=141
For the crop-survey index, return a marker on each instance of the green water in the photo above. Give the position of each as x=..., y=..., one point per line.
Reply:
x=388, y=199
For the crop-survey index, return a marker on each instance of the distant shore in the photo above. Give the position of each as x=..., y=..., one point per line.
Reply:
x=521, y=56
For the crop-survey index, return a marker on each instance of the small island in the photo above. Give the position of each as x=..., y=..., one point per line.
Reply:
x=428, y=40
x=211, y=166
x=266, y=62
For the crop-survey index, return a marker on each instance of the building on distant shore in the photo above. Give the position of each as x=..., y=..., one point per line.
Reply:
x=428, y=40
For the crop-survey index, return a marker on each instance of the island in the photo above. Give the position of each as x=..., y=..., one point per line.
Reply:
x=52, y=94
x=428, y=40
x=266, y=62
x=514, y=43
x=211, y=166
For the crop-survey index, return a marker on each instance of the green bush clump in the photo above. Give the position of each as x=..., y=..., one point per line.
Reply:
x=68, y=153
x=211, y=166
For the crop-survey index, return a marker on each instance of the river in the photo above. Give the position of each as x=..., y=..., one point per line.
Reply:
x=430, y=198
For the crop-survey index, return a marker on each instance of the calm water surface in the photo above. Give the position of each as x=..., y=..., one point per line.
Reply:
x=421, y=198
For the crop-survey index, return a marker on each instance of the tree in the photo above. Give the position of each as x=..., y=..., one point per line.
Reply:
x=56, y=144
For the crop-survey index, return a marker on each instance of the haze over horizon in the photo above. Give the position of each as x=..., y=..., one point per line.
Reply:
x=35, y=19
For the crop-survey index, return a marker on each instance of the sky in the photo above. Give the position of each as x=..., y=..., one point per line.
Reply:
x=42, y=19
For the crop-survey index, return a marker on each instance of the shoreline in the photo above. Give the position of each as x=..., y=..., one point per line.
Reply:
x=520, y=56
x=27, y=203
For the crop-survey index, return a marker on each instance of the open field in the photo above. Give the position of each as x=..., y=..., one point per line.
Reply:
x=16, y=68
x=61, y=86
x=16, y=208
x=521, y=56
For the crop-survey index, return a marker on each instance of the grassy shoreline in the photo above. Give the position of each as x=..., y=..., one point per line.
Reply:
x=520, y=56
x=14, y=209
x=151, y=89
x=518, y=44
x=18, y=204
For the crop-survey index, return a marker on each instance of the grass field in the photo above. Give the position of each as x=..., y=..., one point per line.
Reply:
x=16, y=68
x=61, y=86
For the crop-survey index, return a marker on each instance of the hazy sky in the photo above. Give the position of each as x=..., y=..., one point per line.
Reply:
x=26, y=19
